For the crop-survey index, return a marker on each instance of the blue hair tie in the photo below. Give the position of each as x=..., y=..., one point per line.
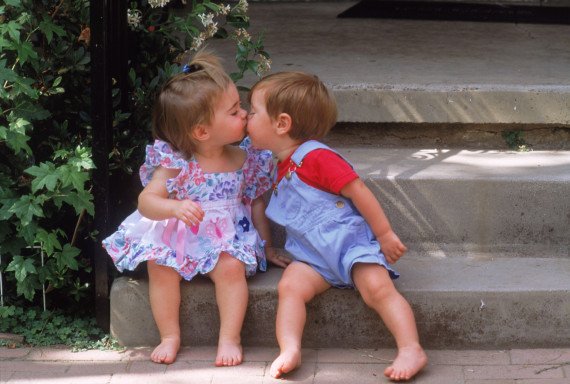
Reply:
x=191, y=68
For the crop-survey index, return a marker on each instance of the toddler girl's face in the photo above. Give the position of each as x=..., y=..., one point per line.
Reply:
x=260, y=127
x=230, y=118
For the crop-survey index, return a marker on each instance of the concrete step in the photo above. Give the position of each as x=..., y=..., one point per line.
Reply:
x=463, y=302
x=464, y=201
x=488, y=267
x=419, y=71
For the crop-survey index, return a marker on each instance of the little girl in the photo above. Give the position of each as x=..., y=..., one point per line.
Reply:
x=196, y=210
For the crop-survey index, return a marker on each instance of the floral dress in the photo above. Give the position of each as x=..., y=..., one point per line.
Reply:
x=225, y=199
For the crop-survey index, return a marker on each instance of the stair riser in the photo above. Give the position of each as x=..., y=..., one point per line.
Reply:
x=506, y=216
x=339, y=318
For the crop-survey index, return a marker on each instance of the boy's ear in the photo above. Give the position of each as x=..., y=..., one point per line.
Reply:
x=200, y=133
x=284, y=123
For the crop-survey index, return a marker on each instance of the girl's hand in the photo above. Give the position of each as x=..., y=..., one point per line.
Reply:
x=274, y=257
x=391, y=246
x=189, y=212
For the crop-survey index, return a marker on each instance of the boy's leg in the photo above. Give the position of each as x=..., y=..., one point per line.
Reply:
x=232, y=296
x=379, y=293
x=164, y=293
x=299, y=284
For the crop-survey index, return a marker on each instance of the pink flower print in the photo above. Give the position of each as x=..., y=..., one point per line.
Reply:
x=215, y=230
x=199, y=180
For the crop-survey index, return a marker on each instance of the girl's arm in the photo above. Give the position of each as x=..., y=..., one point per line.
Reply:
x=366, y=203
x=154, y=203
x=261, y=224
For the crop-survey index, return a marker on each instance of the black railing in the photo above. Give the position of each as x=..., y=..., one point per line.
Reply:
x=108, y=62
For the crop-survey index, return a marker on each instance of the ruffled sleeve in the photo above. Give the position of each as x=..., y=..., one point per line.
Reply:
x=258, y=170
x=161, y=154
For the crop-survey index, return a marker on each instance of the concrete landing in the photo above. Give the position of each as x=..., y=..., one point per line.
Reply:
x=412, y=71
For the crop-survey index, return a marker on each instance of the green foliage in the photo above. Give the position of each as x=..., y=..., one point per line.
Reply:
x=44, y=144
x=41, y=328
x=515, y=141
x=46, y=133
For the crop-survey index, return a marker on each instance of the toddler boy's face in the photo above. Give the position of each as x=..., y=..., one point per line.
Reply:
x=260, y=128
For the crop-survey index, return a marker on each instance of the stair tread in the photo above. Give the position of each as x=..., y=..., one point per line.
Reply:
x=457, y=164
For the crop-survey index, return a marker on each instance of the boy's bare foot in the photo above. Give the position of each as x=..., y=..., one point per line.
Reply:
x=408, y=362
x=229, y=353
x=285, y=362
x=166, y=351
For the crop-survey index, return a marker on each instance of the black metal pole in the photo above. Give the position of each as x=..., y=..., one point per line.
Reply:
x=102, y=119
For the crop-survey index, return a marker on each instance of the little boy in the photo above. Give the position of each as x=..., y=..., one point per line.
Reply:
x=336, y=229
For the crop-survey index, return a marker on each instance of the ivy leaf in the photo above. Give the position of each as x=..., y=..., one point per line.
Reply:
x=49, y=240
x=21, y=267
x=25, y=51
x=66, y=258
x=18, y=142
x=79, y=200
x=12, y=28
x=28, y=287
x=25, y=208
x=71, y=176
x=30, y=111
x=46, y=176
x=6, y=73
x=49, y=28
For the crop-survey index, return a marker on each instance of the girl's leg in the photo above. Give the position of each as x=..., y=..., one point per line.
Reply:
x=379, y=293
x=299, y=284
x=164, y=292
x=231, y=295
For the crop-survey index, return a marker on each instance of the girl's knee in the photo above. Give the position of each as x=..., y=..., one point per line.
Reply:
x=228, y=268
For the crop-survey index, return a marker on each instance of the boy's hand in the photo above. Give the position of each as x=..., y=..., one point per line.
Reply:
x=391, y=246
x=274, y=257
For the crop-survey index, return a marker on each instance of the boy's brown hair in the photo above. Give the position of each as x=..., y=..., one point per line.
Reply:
x=302, y=96
x=187, y=99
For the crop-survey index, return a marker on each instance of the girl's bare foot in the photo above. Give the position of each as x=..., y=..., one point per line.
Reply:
x=285, y=362
x=229, y=353
x=408, y=362
x=166, y=351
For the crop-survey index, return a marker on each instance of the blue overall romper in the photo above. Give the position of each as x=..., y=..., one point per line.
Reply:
x=324, y=230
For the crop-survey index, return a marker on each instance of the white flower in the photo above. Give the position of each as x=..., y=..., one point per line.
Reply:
x=134, y=18
x=198, y=41
x=206, y=19
x=157, y=3
x=224, y=9
x=242, y=6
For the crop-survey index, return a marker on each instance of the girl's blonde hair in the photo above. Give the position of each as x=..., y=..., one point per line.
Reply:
x=187, y=99
x=302, y=96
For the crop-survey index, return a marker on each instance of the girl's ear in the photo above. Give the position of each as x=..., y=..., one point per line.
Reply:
x=200, y=133
x=284, y=123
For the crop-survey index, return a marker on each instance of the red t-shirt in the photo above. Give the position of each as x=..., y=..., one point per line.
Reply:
x=322, y=169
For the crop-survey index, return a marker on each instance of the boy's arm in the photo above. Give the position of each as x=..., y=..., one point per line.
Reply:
x=154, y=203
x=370, y=209
x=261, y=224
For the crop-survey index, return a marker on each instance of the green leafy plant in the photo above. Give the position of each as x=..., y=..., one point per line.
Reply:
x=515, y=141
x=41, y=328
x=46, y=132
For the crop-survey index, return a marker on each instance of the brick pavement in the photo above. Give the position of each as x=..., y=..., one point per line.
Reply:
x=58, y=365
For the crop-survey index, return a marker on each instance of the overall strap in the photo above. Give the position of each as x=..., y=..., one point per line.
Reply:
x=309, y=146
